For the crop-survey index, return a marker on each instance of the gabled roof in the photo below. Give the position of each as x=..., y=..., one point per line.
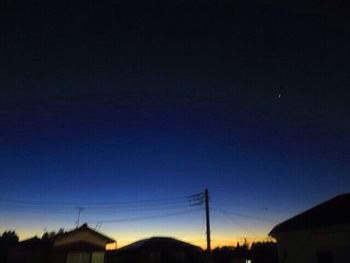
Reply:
x=158, y=242
x=31, y=242
x=85, y=228
x=330, y=213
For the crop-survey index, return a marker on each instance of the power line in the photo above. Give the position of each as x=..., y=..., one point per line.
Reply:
x=264, y=208
x=244, y=215
x=11, y=205
x=98, y=208
x=95, y=204
x=37, y=207
x=238, y=224
x=145, y=217
x=88, y=210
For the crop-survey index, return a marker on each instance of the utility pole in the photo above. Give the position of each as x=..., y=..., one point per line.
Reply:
x=206, y=199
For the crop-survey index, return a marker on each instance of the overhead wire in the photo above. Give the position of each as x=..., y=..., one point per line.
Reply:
x=97, y=208
x=24, y=206
x=238, y=224
x=231, y=216
x=93, y=211
x=120, y=220
x=238, y=214
x=104, y=203
x=244, y=215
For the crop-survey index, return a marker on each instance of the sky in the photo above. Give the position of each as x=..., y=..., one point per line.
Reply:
x=124, y=101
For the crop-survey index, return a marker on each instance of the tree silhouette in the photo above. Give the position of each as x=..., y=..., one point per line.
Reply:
x=8, y=239
x=48, y=236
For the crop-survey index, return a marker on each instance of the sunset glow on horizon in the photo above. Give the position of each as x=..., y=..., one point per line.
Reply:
x=149, y=118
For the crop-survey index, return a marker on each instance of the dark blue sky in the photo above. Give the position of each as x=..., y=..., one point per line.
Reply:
x=105, y=101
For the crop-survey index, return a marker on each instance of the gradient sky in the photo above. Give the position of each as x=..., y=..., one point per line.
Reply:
x=109, y=101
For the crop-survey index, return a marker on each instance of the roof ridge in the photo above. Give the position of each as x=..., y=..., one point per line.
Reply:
x=327, y=213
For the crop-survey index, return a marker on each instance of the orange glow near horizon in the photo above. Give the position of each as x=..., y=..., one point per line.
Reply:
x=221, y=237
x=126, y=240
x=111, y=246
x=217, y=241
